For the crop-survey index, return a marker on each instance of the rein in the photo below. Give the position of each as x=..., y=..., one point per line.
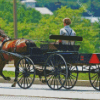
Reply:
x=4, y=41
x=16, y=46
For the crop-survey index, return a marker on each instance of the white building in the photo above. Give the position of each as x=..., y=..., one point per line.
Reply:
x=29, y=3
x=43, y=10
x=92, y=19
x=32, y=4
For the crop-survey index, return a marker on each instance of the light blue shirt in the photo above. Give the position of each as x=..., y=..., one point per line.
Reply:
x=67, y=31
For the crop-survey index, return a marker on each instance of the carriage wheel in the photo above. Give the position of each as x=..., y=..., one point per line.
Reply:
x=94, y=76
x=25, y=72
x=72, y=76
x=55, y=71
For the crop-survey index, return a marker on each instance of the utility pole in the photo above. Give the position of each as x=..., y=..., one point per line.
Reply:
x=15, y=19
x=91, y=11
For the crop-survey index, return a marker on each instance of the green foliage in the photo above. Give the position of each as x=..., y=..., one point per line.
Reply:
x=28, y=15
x=52, y=24
x=26, y=18
x=25, y=29
x=33, y=25
x=92, y=6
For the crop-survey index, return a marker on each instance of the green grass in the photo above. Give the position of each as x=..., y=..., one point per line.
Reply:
x=81, y=76
x=11, y=74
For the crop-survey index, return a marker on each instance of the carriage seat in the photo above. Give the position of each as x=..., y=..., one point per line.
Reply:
x=69, y=38
x=55, y=47
x=63, y=47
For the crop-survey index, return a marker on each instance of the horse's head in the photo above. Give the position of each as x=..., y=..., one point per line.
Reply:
x=3, y=36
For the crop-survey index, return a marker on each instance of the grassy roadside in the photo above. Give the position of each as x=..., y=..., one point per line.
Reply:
x=81, y=76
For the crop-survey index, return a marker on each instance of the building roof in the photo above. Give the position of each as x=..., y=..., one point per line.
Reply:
x=24, y=1
x=43, y=10
x=92, y=19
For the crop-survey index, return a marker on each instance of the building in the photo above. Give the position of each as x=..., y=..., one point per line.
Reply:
x=92, y=19
x=43, y=10
x=32, y=4
x=29, y=3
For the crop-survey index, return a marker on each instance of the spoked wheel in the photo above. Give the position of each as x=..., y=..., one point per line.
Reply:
x=72, y=76
x=55, y=71
x=25, y=72
x=94, y=76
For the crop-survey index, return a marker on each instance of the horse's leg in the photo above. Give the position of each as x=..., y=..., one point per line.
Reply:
x=16, y=74
x=1, y=70
x=6, y=78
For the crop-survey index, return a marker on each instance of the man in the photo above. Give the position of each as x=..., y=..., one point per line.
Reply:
x=67, y=31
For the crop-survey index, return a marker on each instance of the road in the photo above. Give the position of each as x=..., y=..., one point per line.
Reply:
x=43, y=92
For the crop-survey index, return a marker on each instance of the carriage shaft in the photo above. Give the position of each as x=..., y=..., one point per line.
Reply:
x=11, y=53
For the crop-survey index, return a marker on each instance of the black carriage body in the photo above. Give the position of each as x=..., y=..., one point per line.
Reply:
x=40, y=55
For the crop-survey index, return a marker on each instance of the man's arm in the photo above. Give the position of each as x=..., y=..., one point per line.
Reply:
x=73, y=33
x=61, y=32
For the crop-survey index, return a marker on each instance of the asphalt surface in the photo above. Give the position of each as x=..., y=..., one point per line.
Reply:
x=26, y=98
x=39, y=92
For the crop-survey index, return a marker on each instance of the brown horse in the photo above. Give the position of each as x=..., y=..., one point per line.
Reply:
x=18, y=45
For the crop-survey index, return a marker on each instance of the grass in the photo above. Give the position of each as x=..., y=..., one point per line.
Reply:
x=11, y=74
x=81, y=76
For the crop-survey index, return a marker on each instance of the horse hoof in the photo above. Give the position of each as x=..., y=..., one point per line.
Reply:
x=13, y=85
x=8, y=78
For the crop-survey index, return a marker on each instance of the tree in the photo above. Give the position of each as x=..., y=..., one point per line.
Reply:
x=93, y=7
x=52, y=24
x=30, y=15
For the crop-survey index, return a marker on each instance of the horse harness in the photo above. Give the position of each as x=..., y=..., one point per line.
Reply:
x=26, y=41
x=5, y=40
x=16, y=46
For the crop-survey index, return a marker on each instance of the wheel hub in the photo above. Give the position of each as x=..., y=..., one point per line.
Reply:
x=56, y=72
x=26, y=73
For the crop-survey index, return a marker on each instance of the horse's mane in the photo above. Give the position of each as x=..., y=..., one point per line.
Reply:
x=2, y=33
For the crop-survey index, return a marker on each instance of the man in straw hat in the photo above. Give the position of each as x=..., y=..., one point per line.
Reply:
x=67, y=31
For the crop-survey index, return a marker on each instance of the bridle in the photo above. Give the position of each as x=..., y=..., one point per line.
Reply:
x=3, y=38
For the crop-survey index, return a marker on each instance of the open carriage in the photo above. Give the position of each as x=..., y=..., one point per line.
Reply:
x=59, y=64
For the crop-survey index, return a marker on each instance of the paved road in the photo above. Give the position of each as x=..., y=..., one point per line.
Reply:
x=43, y=91
x=26, y=98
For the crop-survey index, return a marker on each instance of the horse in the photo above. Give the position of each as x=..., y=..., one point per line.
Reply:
x=16, y=45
